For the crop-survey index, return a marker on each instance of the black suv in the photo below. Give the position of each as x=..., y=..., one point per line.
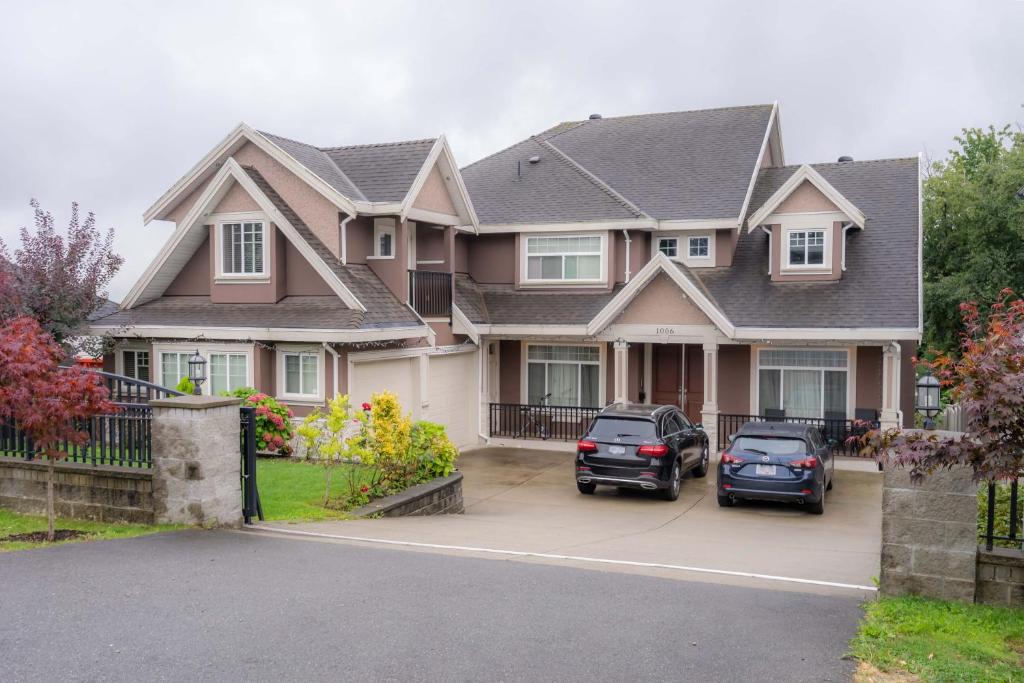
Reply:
x=642, y=447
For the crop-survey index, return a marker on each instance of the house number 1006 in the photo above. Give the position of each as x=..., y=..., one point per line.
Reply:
x=666, y=330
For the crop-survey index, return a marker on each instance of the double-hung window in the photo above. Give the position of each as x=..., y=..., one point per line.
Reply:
x=571, y=374
x=301, y=373
x=807, y=248
x=699, y=247
x=243, y=248
x=803, y=382
x=173, y=366
x=228, y=371
x=569, y=258
x=135, y=364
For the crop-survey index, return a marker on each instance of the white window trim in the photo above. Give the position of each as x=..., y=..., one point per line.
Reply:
x=851, y=375
x=524, y=374
x=826, y=250
x=524, y=256
x=657, y=244
x=706, y=257
x=119, y=364
x=219, y=220
x=321, y=376
x=156, y=360
x=383, y=226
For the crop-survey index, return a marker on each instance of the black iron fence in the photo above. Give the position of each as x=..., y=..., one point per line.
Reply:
x=247, y=441
x=1003, y=521
x=841, y=432
x=522, y=421
x=123, y=438
x=430, y=293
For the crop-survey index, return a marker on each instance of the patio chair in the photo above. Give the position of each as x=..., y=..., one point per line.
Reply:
x=774, y=414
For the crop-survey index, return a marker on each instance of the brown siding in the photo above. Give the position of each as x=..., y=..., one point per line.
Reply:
x=868, y=393
x=609, y=372
x=263, y=370
x=462, y=252
x=509, y=370
x=734, y=379
x=492, y=258
x=725, y=246
x=636, y=371
x=430, y=246
x=194, y=279
x=300, y=278
x=251, y=292
x=359, y=239
x=393, y=272
x=443, y=334
x=776, y=258
x=806, y=198
x=434, y=195
x=110, y=365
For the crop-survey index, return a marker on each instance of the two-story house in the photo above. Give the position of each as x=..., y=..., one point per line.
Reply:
x=663, y=258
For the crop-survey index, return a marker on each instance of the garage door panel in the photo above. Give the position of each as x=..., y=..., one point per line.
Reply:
x=452, y=396
x=396, y=375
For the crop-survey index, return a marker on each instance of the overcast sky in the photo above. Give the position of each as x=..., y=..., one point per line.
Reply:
x=108, y=104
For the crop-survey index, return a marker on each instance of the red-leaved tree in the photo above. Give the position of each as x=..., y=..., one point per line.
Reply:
x=50, y=404
x=987, y=379
x=58, y=279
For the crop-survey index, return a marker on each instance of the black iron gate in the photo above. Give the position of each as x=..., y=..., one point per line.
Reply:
x=250, y=493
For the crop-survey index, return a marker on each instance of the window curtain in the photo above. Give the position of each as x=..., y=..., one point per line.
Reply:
x=770, y=390
x=590, y=382
x=802, y=393
x=173, y=366
x=563, y=383
x=835, y=392
x=535, y=378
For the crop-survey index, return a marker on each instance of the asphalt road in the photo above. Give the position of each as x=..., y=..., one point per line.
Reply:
x=201, y=605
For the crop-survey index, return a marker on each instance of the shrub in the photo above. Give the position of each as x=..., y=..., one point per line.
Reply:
x=434, y=452
x=185, y=386
x=390, y=440
x=337, y=437
x=273, y=420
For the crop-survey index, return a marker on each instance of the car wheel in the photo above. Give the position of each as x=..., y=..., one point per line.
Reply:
x=587, y=489
x=817, y=508
x=674, y=483
x=701, y=470
x=831, y=479
x=725, y=501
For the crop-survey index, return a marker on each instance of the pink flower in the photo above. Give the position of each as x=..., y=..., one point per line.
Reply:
x=364, y=488
x=366, y=406
x=277, y=420
x=291, y=413
x=258, y=397
x=278, y=441
x=262, y=410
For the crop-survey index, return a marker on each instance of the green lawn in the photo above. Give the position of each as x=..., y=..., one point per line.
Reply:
x=942, y=641
x=13, y=523
x=294, y=490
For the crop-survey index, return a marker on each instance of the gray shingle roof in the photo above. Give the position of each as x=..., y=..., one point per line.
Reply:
x=505, y=305
x=375, y=173
x=296, y=312
x=679, y=165
x=879, y=287
x=382, y=307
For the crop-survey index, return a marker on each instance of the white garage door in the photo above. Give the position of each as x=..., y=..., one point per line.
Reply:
x=397, y=375
x=452, y=393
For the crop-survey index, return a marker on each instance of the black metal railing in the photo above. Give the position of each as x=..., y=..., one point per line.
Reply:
x=123, y=438
x=430, y=293
x=247, y=442
x=522, y=421
x=840, y=432
x=1003, y=521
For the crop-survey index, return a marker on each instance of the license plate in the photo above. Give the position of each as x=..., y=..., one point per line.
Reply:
x=765, y=470
x=616, y=450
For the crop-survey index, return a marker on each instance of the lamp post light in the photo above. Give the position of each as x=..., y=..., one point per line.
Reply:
x=928, y=398
x=197, y=372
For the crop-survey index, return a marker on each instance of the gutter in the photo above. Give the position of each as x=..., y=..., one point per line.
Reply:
x=846, y=228
x=769, y=233
x=334, y=355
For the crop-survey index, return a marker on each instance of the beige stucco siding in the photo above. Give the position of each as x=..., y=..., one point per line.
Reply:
x=434, y=195
x=805, y=198
x=662, y=302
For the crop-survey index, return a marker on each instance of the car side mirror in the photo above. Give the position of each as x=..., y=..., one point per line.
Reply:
x=732, y=437
x=832, y=442
x=698, y=426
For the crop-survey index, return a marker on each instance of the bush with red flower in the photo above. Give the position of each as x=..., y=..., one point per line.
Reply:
x=274, y=429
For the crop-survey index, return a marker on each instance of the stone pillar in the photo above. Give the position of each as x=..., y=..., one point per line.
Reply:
x=709, y=411
x=929, y=534
x=892, y=416
x=197, y=461
x=621, y=392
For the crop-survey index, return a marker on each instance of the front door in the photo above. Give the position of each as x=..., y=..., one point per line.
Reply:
x=667, y=374
x=694, y=383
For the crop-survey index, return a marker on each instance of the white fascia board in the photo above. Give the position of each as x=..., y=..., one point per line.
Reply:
x=432, y=217
x=474, y=220
x=535, y=330
x=795, y=334
x=462, y=325
x=385, y=354
x=263, y=333
x=575, y=226
x=420, y=179
x=437, y=152
x=806, y=173
x=697, y=224
x=757, y=165
x=659, y=264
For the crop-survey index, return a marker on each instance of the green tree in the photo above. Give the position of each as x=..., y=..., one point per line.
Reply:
x=973, y=228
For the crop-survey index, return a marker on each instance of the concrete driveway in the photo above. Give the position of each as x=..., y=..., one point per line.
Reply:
x=526, y=501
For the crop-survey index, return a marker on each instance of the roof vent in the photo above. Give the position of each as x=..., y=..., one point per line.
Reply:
x=595, y=117
x=843, y=159
x=533, y=160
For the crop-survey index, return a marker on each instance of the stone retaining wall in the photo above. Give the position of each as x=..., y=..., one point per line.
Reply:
x=1000, y=577
x=441, y=496
x=108, y=494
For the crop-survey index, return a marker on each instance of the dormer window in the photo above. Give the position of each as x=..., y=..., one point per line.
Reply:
x=699, y=247
x=806, y=248
x=242, y=246
x=669, y=246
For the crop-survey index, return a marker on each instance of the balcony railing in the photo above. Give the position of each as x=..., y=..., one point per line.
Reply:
x=838, y=430
x=430, y=293
x=522, y=421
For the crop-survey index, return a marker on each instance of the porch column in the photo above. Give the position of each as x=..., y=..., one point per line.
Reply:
x=709, y=411
x=621, y=371
x=892, y=416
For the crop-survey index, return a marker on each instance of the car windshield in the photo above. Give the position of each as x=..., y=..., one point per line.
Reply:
x=769, y=445
x=619, y=428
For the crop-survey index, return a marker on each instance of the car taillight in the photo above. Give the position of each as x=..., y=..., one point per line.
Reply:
x=655, y=451
x=809, y=462
x=585, y=446
x=730, y=459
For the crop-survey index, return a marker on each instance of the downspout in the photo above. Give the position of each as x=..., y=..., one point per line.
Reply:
x=334, y=355
x=343, y=238
x=625, y=234
x=846, y=227
x=768, y=232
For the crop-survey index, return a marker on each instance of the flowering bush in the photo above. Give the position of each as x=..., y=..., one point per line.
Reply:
x=335, y=438
x=390, y=440
x=434, y=452
x=273, y=420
